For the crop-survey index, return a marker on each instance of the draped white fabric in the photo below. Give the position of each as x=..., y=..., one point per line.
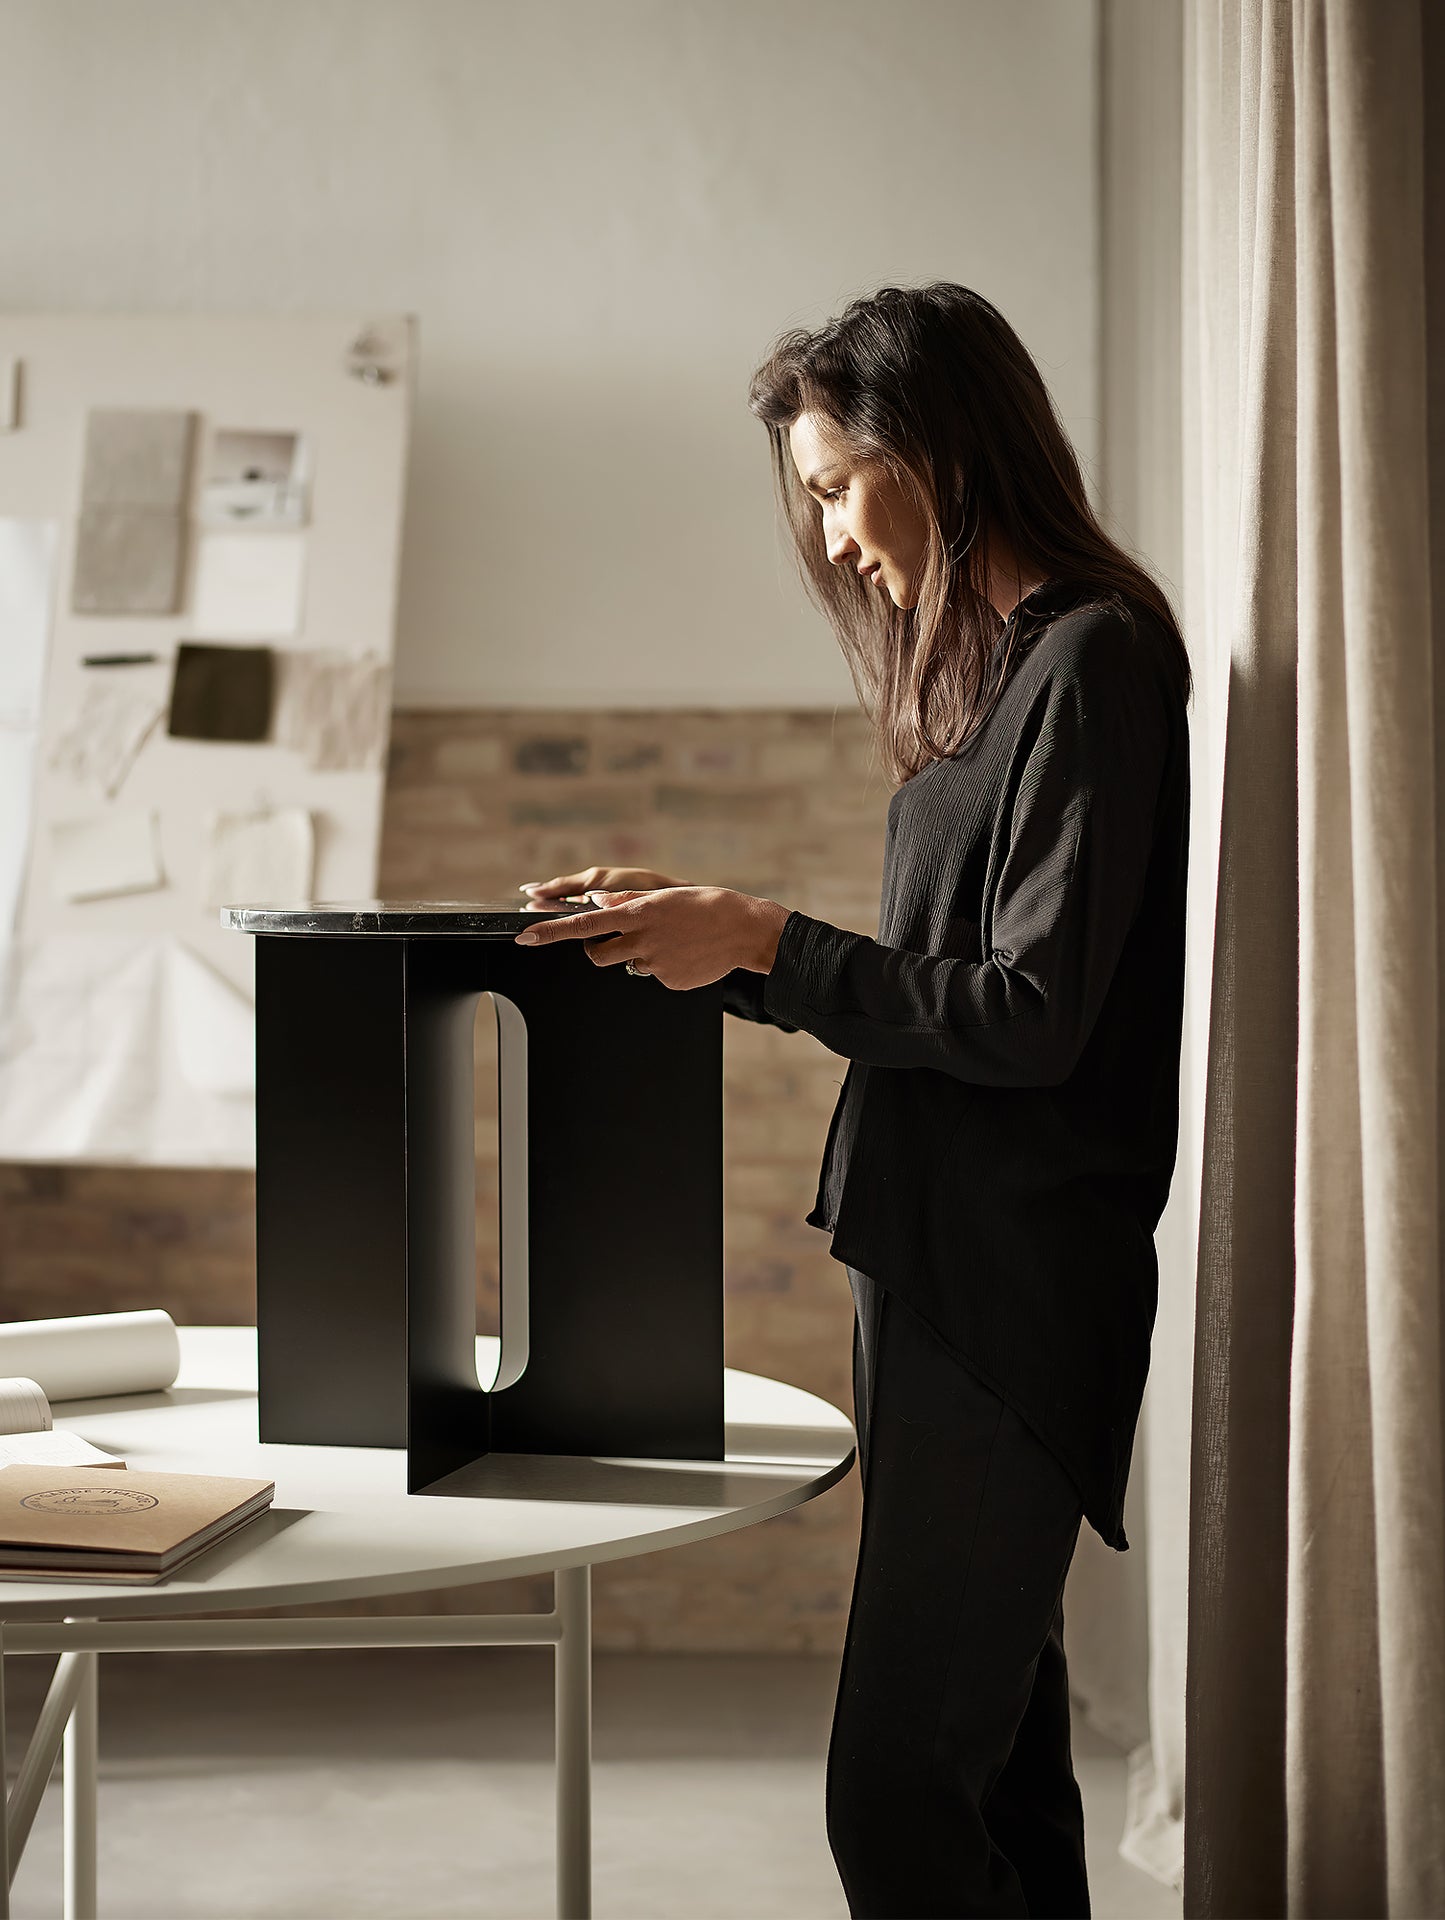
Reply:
x=1315, y=1694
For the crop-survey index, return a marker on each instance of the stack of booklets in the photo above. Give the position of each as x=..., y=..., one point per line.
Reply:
x=89, y=1524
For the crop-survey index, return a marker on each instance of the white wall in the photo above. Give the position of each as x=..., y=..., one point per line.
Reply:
x=602, y=211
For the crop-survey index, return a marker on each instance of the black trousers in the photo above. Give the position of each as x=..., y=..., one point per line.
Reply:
x=950, y=1784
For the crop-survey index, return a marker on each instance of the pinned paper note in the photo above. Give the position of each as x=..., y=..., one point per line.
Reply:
x=255, y=858
x=107, y=729
x=333, y=708
x=110, y=853
x=249, y=585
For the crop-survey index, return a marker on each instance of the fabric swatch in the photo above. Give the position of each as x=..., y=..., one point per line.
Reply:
x=136, y=458
x=221, y=693
x=259, y=859
x=333, y=708
x=110, y=853
x=127, y=560
x=130, y=537
x=107, y=730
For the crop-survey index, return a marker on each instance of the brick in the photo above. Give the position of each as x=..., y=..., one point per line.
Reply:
x=552, y=754
x=801, y=760
x=733, y=805
x=635, y=756
x=712, y=759
x=467, y=759
x=599, y=807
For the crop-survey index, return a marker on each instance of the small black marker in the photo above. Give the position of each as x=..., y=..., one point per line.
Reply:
x=118, y=659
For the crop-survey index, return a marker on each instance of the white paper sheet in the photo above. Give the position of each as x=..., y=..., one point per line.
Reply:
x=87, y=1355
x=255, y=859
x=108, y=853
x=54, y=1448
x=88, y=1060
x=114, y=719
x=27, y=581
x=332, y=708
x=249, y=586
x=23, y=1406
x=79, y=1047
x=214, y=1025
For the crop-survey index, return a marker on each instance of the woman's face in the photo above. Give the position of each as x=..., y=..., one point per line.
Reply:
x=869, y=523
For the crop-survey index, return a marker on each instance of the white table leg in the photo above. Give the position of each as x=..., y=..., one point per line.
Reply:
x=80, y=1763
x=4, y=1792
x=574, y=1743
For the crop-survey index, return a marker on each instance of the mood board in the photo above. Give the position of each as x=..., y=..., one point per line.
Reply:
x=200, y=532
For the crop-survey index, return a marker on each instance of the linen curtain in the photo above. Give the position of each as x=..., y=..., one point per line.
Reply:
x=1314, y=1779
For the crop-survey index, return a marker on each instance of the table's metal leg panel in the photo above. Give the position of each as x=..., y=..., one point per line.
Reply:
x=574, y=1743
x=81, y=1766
x=624, y=1337
x=330, y=1191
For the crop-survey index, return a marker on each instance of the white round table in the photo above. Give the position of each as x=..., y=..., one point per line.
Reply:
x=343, y=1527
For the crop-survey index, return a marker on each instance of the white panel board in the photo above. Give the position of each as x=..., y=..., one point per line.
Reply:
x=125, y=1017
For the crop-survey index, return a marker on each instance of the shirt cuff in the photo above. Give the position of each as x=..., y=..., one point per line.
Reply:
x=810, y=958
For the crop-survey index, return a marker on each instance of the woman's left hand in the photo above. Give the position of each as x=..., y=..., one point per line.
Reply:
x=683, y=936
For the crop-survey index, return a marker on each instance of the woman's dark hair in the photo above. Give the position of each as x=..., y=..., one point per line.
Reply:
x=934, y=384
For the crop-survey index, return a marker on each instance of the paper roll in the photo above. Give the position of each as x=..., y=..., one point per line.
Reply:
x=90, y=1355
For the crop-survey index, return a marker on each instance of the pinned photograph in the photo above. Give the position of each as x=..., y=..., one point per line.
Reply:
x=255, y=479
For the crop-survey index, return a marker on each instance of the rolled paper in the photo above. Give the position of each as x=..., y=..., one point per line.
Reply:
x=89, y=1356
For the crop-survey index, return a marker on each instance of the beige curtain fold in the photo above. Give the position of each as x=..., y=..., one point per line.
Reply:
x=1315, y=1689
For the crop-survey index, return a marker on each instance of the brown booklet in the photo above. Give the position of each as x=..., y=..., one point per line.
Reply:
x=88, y=1524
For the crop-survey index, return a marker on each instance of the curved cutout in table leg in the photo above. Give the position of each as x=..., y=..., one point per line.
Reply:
x=514, y=1184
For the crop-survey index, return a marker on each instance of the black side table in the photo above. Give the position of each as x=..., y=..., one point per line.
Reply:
x=610, y=1119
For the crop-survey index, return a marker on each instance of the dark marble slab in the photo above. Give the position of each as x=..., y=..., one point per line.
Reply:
x=473, y=919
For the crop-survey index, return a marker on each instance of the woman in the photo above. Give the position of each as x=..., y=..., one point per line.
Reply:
x=1005, y=1137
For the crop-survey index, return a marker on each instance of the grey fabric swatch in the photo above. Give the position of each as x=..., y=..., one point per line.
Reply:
x=136, y=458
x=134, y=493
x=128, y=560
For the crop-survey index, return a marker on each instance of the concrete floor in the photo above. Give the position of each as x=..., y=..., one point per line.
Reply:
x=418, y=1784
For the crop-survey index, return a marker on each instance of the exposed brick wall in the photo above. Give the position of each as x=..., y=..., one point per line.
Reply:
x=779, y=804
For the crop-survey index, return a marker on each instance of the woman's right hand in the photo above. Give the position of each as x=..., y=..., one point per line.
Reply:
x=613, y=879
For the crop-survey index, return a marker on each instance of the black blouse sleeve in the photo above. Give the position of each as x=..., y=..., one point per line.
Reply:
x=1057, y=909
x=743, y=995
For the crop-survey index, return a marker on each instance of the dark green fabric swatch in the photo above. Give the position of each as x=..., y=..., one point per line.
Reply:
x=221, y=693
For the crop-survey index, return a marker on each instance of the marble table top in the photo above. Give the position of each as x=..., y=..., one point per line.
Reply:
x=419, y=918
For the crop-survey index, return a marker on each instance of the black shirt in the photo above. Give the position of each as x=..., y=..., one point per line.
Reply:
x=1005, y=1137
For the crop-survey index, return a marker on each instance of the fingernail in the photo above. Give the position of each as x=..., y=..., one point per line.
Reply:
x=527, y=939
x=523, y=885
